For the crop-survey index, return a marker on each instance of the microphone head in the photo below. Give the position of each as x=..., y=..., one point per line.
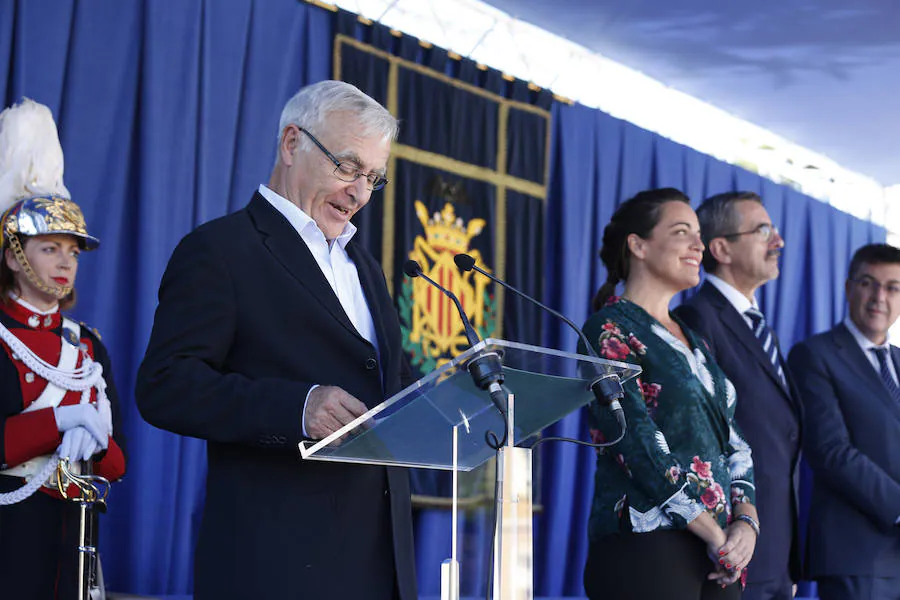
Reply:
x=464, y=262
x=412, y=268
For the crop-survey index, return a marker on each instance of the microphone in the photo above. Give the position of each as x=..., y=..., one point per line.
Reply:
x=486, y=368
x=606, y=387
x=414, y=269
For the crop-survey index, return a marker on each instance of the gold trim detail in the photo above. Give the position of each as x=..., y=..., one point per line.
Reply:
x=500, y=222
x=343, y=39
x=390, y=197
x=458, y=167
x=325, y=5
x=481, y=500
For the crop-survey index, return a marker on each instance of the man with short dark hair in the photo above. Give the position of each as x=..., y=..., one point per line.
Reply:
x=274, y=326
x=742, y=251
x=851, y=395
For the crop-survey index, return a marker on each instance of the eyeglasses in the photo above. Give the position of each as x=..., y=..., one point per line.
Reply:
x=348, y=171
x=764, y=231
x=867, y=284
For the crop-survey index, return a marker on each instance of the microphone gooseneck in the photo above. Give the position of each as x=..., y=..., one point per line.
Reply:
x=607, y=387
x=486, y=368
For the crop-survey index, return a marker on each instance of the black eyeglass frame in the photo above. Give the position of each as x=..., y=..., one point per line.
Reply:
x=342, y=168
x=758, y=229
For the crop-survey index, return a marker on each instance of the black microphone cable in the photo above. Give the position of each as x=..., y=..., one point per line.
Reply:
x=607, y=387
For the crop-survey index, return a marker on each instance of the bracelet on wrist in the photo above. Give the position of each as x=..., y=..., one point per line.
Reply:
x=754, y=525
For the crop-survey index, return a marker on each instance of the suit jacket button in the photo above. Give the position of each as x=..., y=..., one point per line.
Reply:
x=371, y=363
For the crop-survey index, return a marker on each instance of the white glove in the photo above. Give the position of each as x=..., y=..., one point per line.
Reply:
x=78, y=444
x=105, y=409
x=86, y=416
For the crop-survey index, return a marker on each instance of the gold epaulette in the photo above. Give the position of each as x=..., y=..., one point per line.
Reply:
x=93, y=329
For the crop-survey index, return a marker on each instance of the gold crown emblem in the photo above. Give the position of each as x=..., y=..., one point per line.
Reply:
x=445, y=231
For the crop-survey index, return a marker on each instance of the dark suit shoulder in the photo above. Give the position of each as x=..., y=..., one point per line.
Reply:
x=821, y=342
x=697, y=313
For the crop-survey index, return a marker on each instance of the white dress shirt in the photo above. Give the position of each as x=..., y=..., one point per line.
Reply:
x=738, y=300
x=336, y=265
x=867, y=345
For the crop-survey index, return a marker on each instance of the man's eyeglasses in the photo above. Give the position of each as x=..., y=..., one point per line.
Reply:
x=764, y=231
x=348, y=171
x=870, y=284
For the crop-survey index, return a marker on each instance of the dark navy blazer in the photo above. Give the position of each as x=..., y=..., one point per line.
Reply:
x=852, y=443
x=769, y=414
x=246, y=324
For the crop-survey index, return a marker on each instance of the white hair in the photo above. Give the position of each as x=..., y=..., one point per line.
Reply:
x=310, y=107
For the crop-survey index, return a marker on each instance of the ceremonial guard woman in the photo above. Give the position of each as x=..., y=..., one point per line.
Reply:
x=57, y=398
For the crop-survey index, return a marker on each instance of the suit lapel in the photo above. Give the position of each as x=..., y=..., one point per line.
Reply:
x=851, y=354
x=370, y=280
x=288, y=248
x=741, y=331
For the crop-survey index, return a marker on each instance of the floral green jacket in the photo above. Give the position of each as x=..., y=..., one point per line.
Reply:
x=682, y=449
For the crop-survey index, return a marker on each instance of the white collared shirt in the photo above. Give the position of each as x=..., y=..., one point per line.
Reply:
x=866, y=344
x=335, y=264
x=28, y=305
x=738, y=300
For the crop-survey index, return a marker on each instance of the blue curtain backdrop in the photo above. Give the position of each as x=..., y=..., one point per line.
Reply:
x=168, y=117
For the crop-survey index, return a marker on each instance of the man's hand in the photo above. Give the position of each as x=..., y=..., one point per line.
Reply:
x=328, y=409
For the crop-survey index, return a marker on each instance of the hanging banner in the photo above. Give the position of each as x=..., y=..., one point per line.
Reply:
x=468, y=174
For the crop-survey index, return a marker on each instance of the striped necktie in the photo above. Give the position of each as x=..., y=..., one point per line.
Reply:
x=767, y=338
x=886, y=377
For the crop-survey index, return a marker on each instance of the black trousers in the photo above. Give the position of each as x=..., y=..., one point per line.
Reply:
x=662, y=564
x=38, y=546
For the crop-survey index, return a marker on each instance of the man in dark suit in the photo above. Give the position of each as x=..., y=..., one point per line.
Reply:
x=742, y=250
x=848, y=383
x=275, y=326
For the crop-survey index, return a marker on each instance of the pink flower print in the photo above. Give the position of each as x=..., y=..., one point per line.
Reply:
x=713, y=497
x=621, y=460
x=636, y=345
x=651, y=394
x=614, y=349
x=702, y=469
x=673, y=474
x=612, y=300
x=737, y=495
x=611, y=328
x=597, y=437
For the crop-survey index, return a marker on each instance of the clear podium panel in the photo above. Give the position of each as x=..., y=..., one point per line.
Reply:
x=414, y=427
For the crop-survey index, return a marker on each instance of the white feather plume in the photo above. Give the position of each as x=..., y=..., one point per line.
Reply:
x=31, y=158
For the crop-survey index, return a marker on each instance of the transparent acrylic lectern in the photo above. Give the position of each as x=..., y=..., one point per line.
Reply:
x=440, y=422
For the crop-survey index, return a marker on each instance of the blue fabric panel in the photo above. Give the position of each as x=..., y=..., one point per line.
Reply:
x=719, y=177
x=669, y=162
x=636, y=166
x=694, y=176
x=746, y=181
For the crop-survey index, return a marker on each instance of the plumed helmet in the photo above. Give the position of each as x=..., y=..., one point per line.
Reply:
x=33, y=198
